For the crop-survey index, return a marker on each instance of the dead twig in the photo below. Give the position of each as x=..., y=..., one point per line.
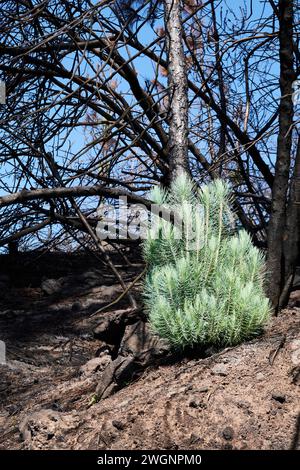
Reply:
x=273, y=354
x=121, y=295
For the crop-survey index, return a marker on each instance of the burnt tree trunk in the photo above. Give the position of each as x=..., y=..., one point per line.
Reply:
x=292, y=231
x=275, y=262
x=178, y=91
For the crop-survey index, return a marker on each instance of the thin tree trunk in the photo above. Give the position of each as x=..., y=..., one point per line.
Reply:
x=292, y=231
x=282, y=168
x=223, y=101
x=178, y=91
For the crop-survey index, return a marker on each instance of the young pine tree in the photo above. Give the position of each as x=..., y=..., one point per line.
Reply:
x=206, y=286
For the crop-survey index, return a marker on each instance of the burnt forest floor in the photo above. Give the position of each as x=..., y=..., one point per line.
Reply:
x=246, y=397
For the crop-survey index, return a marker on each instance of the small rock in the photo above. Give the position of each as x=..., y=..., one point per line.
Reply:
x=228, y=433
x=194, y=404
x=277, y=396
x=118, y=425
x=220, y=369
x=260, y=376
x=95, y=364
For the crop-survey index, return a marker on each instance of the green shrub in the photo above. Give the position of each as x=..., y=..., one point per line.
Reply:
x=206, y=287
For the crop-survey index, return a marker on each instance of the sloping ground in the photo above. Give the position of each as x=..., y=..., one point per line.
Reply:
x=245, y=397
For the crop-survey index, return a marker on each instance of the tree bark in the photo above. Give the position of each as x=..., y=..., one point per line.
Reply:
x=74, y=191
x=284, y=145
x=291, y=248
x=178, y=91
